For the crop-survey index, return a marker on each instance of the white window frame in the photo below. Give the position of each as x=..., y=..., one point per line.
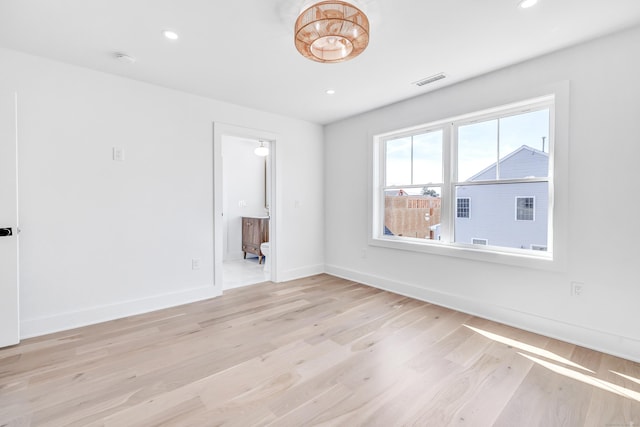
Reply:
x=533, y=213
x=557, y=100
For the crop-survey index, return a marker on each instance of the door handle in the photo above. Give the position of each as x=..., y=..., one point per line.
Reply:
x=6, y=232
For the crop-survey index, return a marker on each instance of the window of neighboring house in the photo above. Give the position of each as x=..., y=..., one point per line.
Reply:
x=426, y=177
x=462, y=207
x=525, y=208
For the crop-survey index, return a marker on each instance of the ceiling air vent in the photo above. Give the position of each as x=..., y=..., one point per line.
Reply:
x=431, y=79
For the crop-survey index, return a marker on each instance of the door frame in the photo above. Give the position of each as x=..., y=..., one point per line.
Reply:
x=225, y=129
x=9, y=289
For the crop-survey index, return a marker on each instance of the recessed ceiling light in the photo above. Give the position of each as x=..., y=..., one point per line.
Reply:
x=169, y=34
x=330, y=92
x=524, y=4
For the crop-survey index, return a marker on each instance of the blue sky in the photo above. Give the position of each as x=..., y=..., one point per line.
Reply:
x=478, y=148
x=478, y=144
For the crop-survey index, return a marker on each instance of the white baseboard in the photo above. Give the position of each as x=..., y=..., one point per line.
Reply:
x=70, y=320
x=299, y=273
x=625, y=347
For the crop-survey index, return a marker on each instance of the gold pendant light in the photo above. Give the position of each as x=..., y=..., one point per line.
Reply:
x=331, y=31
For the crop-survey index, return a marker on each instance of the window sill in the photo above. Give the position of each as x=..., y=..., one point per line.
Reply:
x=541, y=261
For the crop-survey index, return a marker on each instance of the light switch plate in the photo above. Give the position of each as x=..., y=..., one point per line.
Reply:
x=118, y=154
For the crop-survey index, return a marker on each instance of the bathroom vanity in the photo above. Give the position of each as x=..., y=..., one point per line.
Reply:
x=255, y=231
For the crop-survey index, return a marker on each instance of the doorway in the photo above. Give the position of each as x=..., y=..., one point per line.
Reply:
x=244, y=199
x=245, y=186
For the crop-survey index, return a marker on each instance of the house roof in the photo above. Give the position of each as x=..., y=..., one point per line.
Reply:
x=513, y=157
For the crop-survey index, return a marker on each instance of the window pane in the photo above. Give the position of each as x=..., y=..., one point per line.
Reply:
x=463, y=207
x=524, y=208
x=524, y=145
x=398, y=161
x=493, y=216
x=477, y=151
x=413, y=212
x=427, y=158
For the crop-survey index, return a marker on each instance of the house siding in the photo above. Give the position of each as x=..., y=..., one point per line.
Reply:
x=493, y=215
x=493, y=206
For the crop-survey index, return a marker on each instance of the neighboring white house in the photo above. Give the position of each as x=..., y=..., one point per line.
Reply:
x=509, y=215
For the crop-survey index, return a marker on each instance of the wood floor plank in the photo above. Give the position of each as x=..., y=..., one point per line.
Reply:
x=314, y=351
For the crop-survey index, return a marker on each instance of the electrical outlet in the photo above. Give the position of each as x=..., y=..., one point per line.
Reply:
x=195, y=264
x=577, y=289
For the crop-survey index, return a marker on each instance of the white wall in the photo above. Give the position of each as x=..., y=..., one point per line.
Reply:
x=243, y=181
x=104, y=239
x=603, y=155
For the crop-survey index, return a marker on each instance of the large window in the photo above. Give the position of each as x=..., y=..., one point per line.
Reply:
x=427, y=177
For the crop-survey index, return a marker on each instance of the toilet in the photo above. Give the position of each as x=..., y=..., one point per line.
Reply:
x=265, y=249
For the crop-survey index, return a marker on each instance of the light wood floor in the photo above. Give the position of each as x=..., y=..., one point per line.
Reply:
x=316, y=351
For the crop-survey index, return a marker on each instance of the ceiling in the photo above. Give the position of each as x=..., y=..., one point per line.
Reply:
x=242, y=51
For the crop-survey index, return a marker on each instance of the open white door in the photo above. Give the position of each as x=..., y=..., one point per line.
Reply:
x=9, y=319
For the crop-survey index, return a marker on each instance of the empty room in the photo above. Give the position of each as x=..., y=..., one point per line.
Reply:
x=337, y=213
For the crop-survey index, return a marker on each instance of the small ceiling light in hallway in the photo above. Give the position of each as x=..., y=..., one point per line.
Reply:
x=261, y=151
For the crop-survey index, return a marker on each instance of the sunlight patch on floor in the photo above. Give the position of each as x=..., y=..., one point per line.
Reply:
x=635, y=380
x=528, y=348
x=587, y=379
